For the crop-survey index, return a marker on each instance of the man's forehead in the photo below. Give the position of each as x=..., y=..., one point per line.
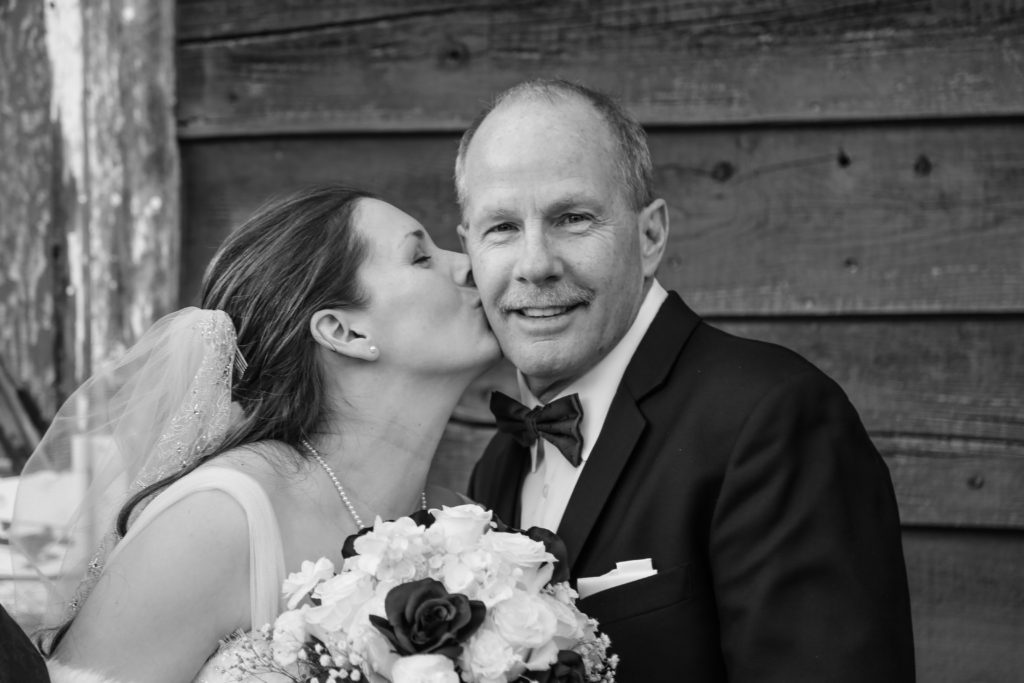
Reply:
x=562, y=123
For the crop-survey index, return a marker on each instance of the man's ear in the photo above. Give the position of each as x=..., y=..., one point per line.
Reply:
x=342, y=332
x=461, y=229
x=653, y=227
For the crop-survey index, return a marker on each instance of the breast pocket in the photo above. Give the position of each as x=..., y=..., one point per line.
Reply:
x=639, y=597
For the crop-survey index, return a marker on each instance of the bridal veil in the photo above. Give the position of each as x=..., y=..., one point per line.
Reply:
x=138, y=419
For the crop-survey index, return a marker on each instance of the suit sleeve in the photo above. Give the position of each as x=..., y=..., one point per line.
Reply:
x=805, y=546
x=19, y=658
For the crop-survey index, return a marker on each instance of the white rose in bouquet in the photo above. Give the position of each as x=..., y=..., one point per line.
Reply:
x=524, y=620
x=489, y=658
x=424, y=669
x=570, y=623
x=530, y=557
x=461, y=526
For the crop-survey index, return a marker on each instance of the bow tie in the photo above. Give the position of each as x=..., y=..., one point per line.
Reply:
x=557, y=422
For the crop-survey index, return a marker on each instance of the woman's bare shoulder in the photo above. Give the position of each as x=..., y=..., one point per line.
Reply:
x=268, y=462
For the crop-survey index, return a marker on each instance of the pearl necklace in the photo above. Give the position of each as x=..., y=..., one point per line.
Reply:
x=341, y=489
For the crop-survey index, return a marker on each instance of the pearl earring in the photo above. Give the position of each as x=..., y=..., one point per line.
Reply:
x=373, y=350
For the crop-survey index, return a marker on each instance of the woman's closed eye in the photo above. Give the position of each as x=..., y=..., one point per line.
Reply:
x=500, y=228
x=422, y=259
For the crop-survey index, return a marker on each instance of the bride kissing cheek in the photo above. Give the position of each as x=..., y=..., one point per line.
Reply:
x=424, y=311
x=304, y=398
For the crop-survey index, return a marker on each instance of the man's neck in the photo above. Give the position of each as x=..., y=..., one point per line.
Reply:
x=546, y=389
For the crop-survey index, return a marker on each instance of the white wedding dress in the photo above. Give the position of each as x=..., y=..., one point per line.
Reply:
x=266, y=556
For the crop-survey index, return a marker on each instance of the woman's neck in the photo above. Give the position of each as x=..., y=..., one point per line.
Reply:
x=381, y=444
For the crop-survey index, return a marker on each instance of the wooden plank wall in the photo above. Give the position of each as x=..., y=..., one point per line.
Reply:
x=89, y=209
x=845, y=178
x=89, y=201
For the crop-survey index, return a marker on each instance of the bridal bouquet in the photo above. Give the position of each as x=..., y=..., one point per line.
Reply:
x=438, y=597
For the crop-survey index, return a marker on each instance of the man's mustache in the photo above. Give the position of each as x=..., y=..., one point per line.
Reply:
x=558, y=295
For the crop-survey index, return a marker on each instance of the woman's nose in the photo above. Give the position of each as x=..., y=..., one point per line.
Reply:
x=461, y=272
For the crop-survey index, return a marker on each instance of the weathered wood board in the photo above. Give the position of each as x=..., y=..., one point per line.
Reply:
x=121, y=201
x=811, y=220
x=28, y=285
x=89, y=200
x=967, y=603
x=248, y=67
x=321, y=66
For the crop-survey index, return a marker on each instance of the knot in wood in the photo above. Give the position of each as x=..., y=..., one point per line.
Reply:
x=722, y=171
x=453, y=54
x=922, y=165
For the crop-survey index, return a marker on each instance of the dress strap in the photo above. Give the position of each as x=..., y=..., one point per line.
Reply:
x=266, y=552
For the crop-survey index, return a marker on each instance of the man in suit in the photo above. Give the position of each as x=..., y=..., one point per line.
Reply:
x=738, y=469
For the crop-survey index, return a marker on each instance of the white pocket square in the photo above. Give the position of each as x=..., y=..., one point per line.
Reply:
x=624, y=572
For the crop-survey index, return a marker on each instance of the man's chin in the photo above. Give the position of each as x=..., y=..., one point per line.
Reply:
x=545, y=375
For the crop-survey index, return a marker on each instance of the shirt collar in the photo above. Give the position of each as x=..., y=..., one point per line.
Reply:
x=597, y=387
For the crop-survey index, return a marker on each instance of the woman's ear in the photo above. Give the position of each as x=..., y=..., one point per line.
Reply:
x=337, y=330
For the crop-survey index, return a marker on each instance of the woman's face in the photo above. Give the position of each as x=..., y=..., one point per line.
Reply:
x=423, y=313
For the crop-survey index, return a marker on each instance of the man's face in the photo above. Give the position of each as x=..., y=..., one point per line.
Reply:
x=556, y=250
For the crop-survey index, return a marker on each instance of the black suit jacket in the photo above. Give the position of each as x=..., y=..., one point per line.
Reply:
x=20, y=662
x=747, y=477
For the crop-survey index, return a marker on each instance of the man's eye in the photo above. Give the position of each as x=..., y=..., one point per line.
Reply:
x=570, y=218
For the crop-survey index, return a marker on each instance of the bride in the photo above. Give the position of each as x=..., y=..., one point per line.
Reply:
x=304, y=398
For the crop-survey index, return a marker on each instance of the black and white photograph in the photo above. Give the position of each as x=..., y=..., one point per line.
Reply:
x=595, y=341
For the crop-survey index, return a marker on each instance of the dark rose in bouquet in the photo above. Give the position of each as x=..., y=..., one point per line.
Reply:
x=424, y=618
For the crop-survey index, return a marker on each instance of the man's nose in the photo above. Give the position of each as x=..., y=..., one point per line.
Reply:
x=537, y=261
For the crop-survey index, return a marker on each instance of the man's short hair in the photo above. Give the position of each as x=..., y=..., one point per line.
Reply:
x=633, y=160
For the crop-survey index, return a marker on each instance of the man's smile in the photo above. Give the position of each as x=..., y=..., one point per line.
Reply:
x=545, y=312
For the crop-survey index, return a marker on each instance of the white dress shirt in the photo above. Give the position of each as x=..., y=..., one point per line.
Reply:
x=550, y=482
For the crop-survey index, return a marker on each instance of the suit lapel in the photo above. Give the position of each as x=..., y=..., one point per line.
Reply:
x=625, y=424
x=507, y=482
x=605, y=464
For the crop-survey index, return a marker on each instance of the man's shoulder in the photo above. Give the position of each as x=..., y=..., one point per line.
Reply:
x=727, y=351
x=717, y=363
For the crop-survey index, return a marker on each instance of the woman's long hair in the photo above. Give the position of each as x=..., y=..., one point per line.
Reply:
x=293, y=257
